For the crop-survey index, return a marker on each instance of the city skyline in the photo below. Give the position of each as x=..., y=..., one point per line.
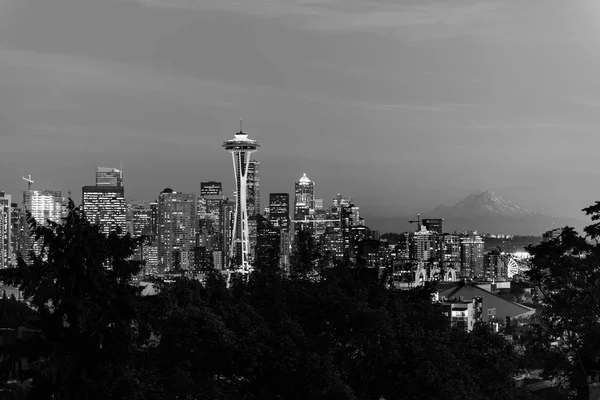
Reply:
x=418, y=102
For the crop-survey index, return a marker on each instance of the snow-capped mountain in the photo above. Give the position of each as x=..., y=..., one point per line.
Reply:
x=481, y=204
x=483, y=211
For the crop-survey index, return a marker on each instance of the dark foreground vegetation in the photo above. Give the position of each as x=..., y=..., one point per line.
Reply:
x=270, y=337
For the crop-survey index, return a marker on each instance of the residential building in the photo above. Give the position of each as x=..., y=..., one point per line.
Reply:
x=177, y=226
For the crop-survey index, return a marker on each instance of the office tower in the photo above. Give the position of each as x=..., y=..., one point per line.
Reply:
x=450, y=255
x=241, y=148
x=140, y=224
x=403, y=247
x=423, y=245
x=304, y=198
x=338, y=203
x=5, y=231
x=43, y=205
x=141, y=220
x=177, y=222
x=433, y=225
x=471, y=256
x=332, y=242
x=17, y=231
x=154, y=219
x=268, y=243
x=211, y=188
x=104, y=204
x=494, y=267
x=109, y=177
x=253, y=188
x=279, y=210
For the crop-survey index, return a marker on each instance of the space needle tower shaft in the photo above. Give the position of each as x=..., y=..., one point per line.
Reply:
x=241, y=149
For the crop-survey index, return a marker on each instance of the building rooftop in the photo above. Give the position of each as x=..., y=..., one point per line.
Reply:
x=304, y=179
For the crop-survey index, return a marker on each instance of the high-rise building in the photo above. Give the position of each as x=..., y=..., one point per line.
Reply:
x=253, y=188
x=109, y=177
x=241, y=148
x=106, y=207
x=17, y=231
x=433, y=225
x=268, y=243
x=154, y=219
x=471, y=254
x=450, y=254
x=279, y=210
x=5, y=231
x=423, y=245
x=43, y=205
x=141, y=220
x=211, y=188
x=494, y=267
x=304, y=198
x=177, y=226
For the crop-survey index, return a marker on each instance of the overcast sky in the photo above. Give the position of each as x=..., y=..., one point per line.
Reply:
x=402, y=104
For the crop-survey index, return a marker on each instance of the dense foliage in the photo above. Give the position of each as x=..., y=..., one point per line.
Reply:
x=565, y=271
x=271, y=337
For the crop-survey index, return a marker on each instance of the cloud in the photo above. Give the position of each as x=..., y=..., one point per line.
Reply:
x=441, y=18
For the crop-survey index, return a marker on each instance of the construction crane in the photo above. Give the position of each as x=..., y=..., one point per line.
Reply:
x=417, y=221
x=29, y=181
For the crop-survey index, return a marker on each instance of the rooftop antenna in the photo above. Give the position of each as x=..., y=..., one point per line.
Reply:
x=29, y=181
x=241, y=131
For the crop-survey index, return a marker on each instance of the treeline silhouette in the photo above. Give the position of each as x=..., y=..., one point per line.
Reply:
x=305, y=336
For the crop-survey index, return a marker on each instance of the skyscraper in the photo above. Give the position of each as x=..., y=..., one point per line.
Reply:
x=177, y=225
x=279, y=210
x=433, y=224
x=241, y=148
x=43, y=205
x=5, y=231
x=253, y=188
x=17, y=231
x=471, y=254
x=104, y=204
x=109, y=177
x=268, y=243
x=211, y=188
x=304, y=198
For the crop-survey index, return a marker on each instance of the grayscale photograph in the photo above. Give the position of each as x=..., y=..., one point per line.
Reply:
x=299, y=200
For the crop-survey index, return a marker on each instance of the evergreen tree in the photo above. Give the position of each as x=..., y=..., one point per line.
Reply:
x=80, y=286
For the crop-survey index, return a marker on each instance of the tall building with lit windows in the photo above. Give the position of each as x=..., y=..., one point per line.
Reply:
x=253, y=188
x=17, y=231
x=304, y=195
x=177, y=227
x=5, y=231
x=279, y=210
x=104, y=204
x=43, y=205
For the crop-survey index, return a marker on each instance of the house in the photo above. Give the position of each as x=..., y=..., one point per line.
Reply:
x=494, y=308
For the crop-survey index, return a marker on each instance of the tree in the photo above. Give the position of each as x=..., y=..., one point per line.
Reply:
x=565, y=271
x=305, y=255
x=80, y=287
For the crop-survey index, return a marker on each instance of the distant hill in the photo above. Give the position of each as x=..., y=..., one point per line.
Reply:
x=483, y=211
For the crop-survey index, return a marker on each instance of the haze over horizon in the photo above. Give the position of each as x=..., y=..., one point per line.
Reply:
x=403, y=105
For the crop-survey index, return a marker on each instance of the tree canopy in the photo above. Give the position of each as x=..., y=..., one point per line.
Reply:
x=268, y=337
x=565, y=271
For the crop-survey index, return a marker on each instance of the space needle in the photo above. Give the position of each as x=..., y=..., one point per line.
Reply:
x=241, y=148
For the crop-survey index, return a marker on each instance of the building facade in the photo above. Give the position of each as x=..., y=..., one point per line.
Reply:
x=177, y=227
x=43, y=205
x=5, y=231
x=279, y=210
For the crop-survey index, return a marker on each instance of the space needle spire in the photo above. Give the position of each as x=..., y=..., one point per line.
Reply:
x=241, y=149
